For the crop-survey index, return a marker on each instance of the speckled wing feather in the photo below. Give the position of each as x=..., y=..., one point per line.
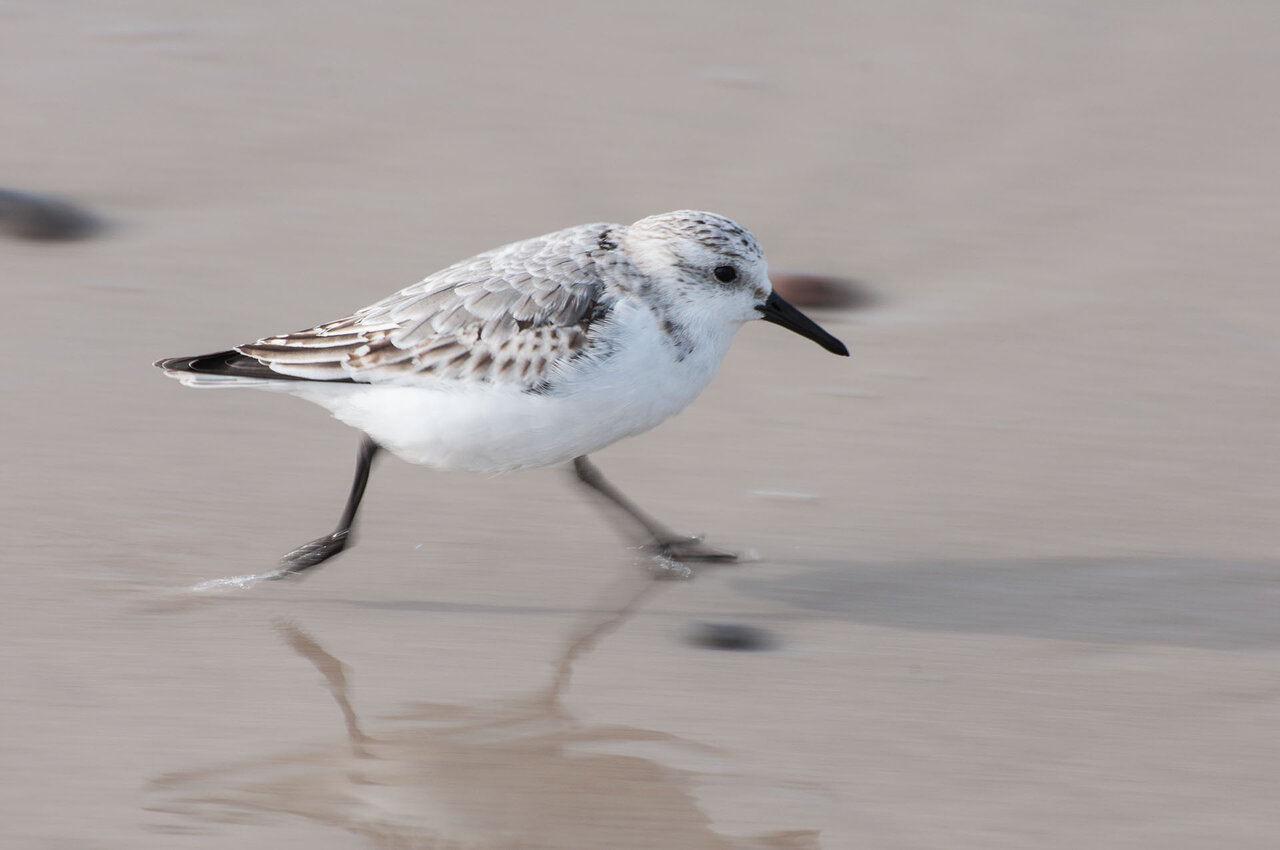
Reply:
x=506, y=316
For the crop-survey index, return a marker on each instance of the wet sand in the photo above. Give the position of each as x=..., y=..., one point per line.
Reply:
x=1017, y=555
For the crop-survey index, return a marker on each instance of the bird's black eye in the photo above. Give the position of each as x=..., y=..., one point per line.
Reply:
x=726, y=274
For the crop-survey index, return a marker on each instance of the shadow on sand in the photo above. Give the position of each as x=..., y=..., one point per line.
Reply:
x=1165, y=602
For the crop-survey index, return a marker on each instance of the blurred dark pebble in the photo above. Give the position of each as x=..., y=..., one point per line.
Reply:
x=30, y=216
x=819, y=291
x=734, y=636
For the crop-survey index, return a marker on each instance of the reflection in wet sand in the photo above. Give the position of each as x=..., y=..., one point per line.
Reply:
x=522, y=774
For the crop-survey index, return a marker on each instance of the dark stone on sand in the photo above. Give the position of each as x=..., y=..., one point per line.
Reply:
x=28, y=215
x=731, y=636
x=816, y=291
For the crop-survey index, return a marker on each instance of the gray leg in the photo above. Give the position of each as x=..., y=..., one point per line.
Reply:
x=321, y=549
x=663, y=543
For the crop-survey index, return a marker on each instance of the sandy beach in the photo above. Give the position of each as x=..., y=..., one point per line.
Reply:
x=1016, y=558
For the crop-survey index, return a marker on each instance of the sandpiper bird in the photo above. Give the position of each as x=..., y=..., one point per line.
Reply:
x=533, y=354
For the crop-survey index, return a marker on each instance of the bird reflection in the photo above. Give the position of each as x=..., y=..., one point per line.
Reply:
x=522, y=773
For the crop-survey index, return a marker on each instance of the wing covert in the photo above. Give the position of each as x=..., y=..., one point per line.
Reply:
x=505, y=316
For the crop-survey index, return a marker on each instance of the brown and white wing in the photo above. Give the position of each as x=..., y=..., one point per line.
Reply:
x=506, y=316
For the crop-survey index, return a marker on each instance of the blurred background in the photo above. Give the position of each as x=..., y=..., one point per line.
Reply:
x=1017, y=557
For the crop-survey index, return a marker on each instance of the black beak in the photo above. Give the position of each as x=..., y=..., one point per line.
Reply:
x=779, y=312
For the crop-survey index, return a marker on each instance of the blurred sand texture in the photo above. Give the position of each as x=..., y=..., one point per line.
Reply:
x=1019, y=555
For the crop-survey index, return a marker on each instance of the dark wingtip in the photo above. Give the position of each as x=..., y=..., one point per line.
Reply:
x=230, y=362
x=218, y=363
x=174, y=364
x=233, y=364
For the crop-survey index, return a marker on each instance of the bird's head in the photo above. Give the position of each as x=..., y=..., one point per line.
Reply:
x=706, y=265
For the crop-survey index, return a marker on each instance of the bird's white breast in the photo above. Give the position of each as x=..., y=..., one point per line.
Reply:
x=483, y=427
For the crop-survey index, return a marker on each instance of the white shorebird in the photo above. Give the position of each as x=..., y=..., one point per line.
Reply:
x=533, y=354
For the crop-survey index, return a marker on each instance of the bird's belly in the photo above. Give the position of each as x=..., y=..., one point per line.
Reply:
x=494, y=429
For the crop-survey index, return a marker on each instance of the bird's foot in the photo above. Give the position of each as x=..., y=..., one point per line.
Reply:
x=690, y=549
x=312, y=554
x=669, y=555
